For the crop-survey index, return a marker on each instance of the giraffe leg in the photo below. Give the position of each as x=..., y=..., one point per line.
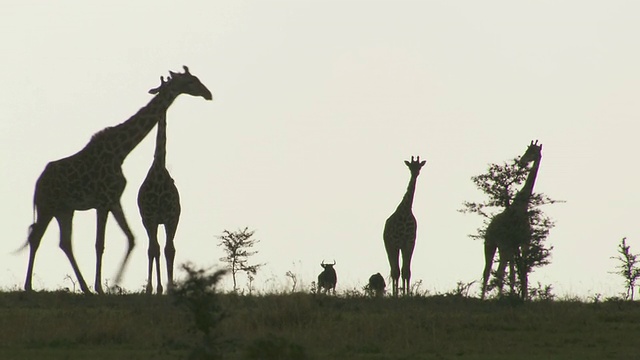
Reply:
x=170, y=252
x=395, y=269
x=101, y=216
x=406, y=271
x=153, y=254
x=118, y=214
x=35, y=236
x=523, y=270
x=65, y=222
x=489, y=253
x=406, y=280
x=500, y=272
x=512, y=277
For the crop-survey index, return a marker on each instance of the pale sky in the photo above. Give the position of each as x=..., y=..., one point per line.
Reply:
x=316, y=106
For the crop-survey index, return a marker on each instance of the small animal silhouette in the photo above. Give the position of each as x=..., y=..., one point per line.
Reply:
x=328, y=278
x=376, y=285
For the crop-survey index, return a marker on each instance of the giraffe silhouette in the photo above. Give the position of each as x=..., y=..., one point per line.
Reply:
x=400, y=232
x=159, y=202
x=93, y=179
x=510, y=231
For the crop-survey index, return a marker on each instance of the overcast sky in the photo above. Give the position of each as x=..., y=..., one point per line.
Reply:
x=316, y=106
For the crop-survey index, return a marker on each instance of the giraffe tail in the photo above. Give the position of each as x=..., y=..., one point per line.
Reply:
x=34, y=214
x=26, y=243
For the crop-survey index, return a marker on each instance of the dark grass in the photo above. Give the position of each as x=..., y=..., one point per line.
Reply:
x=59, y=325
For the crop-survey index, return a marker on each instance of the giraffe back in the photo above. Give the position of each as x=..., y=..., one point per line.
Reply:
x=400, y=228
x=80, y=182
x=158, y=198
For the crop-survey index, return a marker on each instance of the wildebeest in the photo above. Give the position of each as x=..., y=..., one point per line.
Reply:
x=327, y=279
x=376, y=285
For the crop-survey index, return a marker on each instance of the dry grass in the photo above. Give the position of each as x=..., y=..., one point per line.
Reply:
x=59, y=325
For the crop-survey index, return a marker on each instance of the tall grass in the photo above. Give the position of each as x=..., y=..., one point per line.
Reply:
x=58, y=325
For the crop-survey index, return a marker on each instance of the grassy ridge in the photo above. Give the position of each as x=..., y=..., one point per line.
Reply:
x=57, y=325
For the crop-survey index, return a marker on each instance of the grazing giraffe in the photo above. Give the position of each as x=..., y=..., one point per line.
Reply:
x=510, y=230
x=159, y=201
x=400, y=232
x=93, y=179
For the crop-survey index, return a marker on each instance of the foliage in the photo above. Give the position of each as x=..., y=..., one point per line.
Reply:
x=501, y=183
x=596, y=298
x=236, y=246
x=75, y=288
x=114, y=289
x=462, y=289
x=628, y=267
x=542, y=293
x=198, y=294
x=294, y=279
x=416, y=289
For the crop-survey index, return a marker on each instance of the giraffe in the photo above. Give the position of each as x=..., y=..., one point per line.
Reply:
x=400, y=232
x=159, y=203
x=510, y=230
x=93, y=179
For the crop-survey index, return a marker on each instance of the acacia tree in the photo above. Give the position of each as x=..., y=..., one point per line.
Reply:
x=236, y=245
x=501, y=183
x=627, y=267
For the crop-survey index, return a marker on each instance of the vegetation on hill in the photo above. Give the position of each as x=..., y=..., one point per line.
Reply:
x=62, y=325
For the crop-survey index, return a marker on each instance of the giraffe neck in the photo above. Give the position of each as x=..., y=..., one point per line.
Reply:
x=123, y=138
x=407, y=199
x=159, y=156
x=524, y=195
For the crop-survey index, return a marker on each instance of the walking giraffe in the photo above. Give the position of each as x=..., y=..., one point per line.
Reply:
x=93, y=179
x=400, y=232
x=510, y=230
x=159, y=201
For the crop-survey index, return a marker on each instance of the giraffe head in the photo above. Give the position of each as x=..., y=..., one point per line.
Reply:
x=533, y=153
x=415, y=165
x=182, y=83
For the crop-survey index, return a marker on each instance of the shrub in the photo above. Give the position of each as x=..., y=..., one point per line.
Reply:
x=627, y=268
x=198, y=294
